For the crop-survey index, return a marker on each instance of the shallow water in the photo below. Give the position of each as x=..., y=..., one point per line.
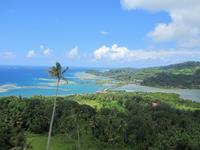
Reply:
x=193, y=94
x=29, y=81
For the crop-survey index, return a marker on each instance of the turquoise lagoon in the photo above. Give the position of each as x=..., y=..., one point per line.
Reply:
x=29, y=81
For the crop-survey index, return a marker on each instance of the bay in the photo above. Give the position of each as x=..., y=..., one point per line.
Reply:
x=30, y=81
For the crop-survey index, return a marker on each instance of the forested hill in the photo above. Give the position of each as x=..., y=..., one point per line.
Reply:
x=189, y=64
x=182, y=75
x=110, y=121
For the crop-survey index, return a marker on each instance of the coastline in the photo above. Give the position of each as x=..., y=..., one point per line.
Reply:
x=114, y=85
x=104, y=84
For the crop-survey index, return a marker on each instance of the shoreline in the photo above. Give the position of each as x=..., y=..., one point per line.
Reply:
x=107, y=84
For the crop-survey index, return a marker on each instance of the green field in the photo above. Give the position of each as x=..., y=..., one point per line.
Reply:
x=59, y=142
x=38, y=142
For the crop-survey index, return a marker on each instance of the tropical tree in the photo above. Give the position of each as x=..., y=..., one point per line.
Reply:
x=55, y=72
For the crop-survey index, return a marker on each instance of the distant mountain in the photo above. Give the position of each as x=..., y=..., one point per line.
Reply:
x=189, y=64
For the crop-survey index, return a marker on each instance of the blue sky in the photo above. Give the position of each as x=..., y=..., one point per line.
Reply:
x=100, y=33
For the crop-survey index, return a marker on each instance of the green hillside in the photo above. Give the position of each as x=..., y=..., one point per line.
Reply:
x=113, y=120
x=183, y=75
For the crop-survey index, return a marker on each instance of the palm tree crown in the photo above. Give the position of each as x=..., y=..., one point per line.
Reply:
x=55, y=71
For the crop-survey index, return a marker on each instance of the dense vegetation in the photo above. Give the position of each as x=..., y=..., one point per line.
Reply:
x=174, y=80
x=183, y=75
x=113, y=120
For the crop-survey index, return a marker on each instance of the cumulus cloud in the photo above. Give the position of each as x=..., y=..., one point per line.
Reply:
x=116, y=53
x=47, y=51
x=73, y=53
x=184, y=27
x=8, y=55
x=31, y=53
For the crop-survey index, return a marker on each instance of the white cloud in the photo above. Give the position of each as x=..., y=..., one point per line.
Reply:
x=41, y=46
x=47, y=51
x=185, y=23
x=31, y=54
x=116, y=53
x=8, y=55
x=73, y=53
x=101, y=52
x=104, y=33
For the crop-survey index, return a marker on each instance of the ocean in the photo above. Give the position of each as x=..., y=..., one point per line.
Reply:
x=29, y=81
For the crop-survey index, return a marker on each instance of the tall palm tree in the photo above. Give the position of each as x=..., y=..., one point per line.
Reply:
x=56, y=72
x=78, y=130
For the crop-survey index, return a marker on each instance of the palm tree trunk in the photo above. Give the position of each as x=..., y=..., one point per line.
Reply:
x=78, y=143
x=52, y=117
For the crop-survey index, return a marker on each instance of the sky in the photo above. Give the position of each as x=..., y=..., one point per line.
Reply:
x=99, y=33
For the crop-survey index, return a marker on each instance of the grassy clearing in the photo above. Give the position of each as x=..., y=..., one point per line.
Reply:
x=38, y=142
x=61, y=142
x=95, y=104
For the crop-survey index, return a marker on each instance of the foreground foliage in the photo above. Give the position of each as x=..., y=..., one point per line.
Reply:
x=114, y=120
